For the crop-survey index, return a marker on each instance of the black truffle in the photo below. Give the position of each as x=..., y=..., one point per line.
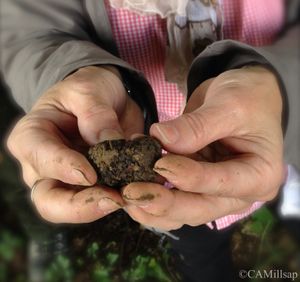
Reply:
x=119, y=162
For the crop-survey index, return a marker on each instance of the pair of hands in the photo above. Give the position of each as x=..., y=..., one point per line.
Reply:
x=225, y=150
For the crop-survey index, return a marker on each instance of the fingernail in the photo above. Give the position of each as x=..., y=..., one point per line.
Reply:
x=109, y=134
x=80, y=177
x=163, y=171
x=141, y=201
x=167, y=174
x=136, y=135
x=142, y=197
x=168, y=134
x=107, y=205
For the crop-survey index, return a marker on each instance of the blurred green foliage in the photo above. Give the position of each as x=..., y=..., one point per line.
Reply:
x=9, y=244
x=259, y=243
x=260, y=225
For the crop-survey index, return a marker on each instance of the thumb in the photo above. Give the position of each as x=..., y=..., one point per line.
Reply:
x=98, y=122
x=192, y=131
x=97, y=119
x=96, y=96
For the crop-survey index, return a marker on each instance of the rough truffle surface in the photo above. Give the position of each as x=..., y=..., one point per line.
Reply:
x=119, y=162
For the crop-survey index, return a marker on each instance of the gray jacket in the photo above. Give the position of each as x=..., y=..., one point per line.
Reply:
x=43, y=41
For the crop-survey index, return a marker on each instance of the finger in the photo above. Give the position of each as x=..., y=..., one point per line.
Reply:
x=246, y=177
x=47, y=154
x=143, y=194
x=60, y=203
x=192, y=131
x=187, y=208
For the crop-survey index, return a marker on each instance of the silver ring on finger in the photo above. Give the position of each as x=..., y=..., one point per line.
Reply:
x=34, y=187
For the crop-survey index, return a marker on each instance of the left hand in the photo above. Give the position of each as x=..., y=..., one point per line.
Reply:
x=52, y=139
x=226, y=153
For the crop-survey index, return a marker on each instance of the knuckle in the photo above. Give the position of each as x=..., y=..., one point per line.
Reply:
x=36, y=155
x=270, y=196
x=12, y=141
x=275, y=183
x=91, y=109
x=80, y=82
x=239, y=109
x=272, y=178
x=44, y=211
x=82, y=86
x=278, y=178
x=224, y=186
x=34, y=122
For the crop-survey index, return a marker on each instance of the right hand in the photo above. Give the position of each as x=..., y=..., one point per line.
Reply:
x=89, y=106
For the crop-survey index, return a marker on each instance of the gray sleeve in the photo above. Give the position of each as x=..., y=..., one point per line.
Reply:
x=42, y=41
x=282, y=58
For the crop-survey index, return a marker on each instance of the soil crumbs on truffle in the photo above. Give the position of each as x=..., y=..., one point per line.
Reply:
x=120, y=162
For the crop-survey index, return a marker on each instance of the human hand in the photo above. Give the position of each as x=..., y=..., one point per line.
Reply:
x=226, y=153
x=89, y=106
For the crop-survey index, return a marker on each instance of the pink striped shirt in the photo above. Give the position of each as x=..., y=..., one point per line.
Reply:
x=141, y=41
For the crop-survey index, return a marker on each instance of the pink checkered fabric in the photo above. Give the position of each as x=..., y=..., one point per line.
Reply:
x=141, y=41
